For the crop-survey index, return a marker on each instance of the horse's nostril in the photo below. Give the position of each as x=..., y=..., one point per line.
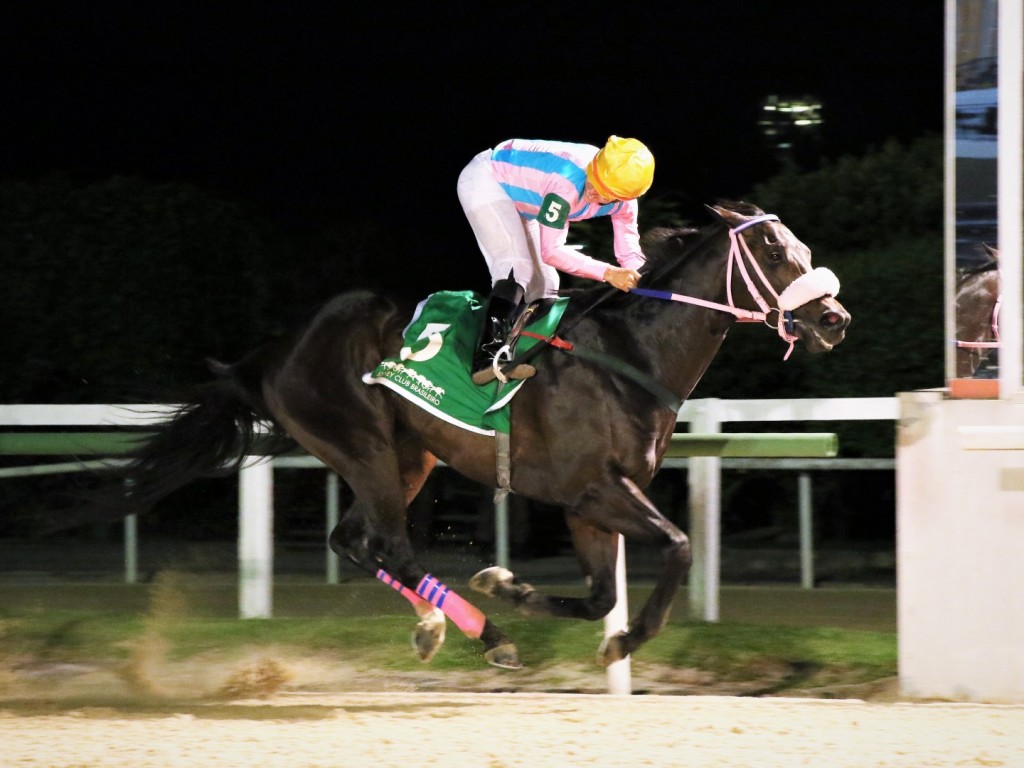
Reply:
x=831, y=319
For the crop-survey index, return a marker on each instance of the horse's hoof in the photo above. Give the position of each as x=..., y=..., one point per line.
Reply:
x=428, y=637
x=612, y=649
x=488, y=580
x=505, y=656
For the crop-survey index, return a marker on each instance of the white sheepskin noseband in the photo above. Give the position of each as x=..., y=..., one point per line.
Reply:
x=808, y=287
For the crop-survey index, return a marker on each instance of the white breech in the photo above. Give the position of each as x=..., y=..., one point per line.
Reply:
x=507, y=241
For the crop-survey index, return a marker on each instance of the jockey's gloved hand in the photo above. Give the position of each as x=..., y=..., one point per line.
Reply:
x=622, y=278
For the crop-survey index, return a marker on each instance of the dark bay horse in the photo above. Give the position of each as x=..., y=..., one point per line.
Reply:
x=583, y=436
x=978, y=296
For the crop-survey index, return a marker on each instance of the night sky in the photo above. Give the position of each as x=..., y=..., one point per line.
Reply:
x=372, y=113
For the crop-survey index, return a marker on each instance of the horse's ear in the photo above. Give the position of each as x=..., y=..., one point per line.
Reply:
x=728, y=217
x=715, y=211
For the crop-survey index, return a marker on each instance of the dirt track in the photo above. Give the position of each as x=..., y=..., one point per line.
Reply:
x=529, y=730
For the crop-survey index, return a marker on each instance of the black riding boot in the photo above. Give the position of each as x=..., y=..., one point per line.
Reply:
x=500, y=315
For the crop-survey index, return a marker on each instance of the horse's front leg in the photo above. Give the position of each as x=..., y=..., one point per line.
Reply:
x=594, y=523
x=638, y=519
x=596, y=551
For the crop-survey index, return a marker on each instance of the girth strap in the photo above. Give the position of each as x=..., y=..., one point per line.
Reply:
x=665, y=396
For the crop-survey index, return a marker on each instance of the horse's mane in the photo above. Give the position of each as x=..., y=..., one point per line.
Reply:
x=661, y=242
x=987, y=266
x=660, y=245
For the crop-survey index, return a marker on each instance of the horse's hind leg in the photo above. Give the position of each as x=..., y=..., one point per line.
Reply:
x=353, y=536
x=349, y=538
x=353, y=429
x=384, y=480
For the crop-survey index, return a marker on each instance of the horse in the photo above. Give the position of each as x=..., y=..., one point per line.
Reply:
x=978, y=300
x=587, y=433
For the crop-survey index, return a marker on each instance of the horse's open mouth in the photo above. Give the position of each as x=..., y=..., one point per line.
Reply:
x=828, y=330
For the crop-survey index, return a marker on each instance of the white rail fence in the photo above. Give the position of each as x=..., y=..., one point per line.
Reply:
x=704, y=478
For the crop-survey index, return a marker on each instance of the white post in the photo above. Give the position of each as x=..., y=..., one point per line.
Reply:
x=333, y=490
x=705, y=486
x=620, y=672
x=1010, y=188
x=131, y=549
x=255, y=538
x=949, y=191
x=806, y=531
x=131, y=542
x=501, y=551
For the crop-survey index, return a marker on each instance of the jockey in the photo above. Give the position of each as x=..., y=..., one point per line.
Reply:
x=520, y=198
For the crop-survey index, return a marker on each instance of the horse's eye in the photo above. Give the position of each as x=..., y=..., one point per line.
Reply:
x=775, y=256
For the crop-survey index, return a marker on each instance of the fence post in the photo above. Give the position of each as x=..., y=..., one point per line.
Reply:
x=705, y=487
x=131, y=549
x=333, y=495
x=806, y=531
x=501, y=533
x=619, y=674
x=131, y=542
x=255, y=538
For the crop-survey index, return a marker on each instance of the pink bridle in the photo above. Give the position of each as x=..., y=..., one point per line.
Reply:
x=809, y=286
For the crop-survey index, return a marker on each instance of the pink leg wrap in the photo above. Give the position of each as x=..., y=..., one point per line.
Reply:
x=430, y=591
x=466, y=617
x=417, y=602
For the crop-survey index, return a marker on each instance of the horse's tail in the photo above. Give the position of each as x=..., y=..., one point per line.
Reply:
x=220, y=425
x=212, y=434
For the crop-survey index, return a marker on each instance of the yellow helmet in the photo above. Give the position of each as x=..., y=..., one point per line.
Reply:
x=621, y=170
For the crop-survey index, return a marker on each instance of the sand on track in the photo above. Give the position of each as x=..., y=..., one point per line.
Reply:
x=495, y=730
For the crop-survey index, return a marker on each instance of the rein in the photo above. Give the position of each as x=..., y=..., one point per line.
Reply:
x=808, y=287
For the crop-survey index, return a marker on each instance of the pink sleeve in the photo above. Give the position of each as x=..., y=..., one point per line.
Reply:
x=626, y=236
x=625, y=239
x=555, y=253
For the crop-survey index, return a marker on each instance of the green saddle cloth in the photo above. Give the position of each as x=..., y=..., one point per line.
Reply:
x=433, y=367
